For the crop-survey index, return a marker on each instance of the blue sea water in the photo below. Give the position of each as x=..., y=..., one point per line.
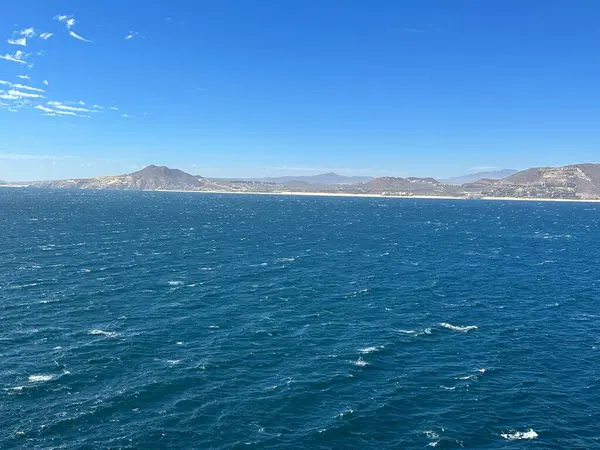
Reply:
x=167, y=320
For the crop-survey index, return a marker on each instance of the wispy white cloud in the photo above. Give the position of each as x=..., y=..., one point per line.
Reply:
x=45, y=82
x=46, y=36
x=27, y=88
x=69, y=21
x=6, y=83
x=27, y=32
x=20, y=41
x=13, y=94
x=127, y=116
x=18, y=57
x=24, y=77
x=58, y=111
x=45, y=109
x=81, y=38
x=21, y=156
x=134, y=34
x=63, y=107
x=114, y=108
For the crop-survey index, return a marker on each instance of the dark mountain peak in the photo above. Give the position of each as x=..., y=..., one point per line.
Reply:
x=163, y=177
x=156, y=170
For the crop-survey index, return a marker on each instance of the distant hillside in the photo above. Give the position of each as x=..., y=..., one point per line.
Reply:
x=472, y=177
x=149, y=178
x=410, y=185
x=326, y=179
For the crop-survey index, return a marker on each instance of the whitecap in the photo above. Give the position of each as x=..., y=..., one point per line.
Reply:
x=360, y=362
x=407, y=331
x=286, y=259
x=174, y=283
x=179, y=343
x=448, y=388
x=174, y=362
x=458, y=328
x=40, y=378
x=517, y=435
x=430, y=434
x=482, y=370
x=109, y=334
x=370, y=349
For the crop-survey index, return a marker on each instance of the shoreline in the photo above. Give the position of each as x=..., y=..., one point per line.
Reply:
x=344, y=194
x=418, y=197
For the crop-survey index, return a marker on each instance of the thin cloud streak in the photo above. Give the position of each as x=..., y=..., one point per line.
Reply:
x=14, y=94
x=61, y=106
x=81, y=38
x=27, y=88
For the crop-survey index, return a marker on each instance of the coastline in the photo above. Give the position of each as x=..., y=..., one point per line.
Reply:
x=344, y=194
x=418, y=197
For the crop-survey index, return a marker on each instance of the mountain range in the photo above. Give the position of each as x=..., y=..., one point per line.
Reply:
x=472, y=177
x=578, y=181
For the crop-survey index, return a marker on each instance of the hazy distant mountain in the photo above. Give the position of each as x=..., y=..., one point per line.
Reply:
x=326, y=179
x=472, y=177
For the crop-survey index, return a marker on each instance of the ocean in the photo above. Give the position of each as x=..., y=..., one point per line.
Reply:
x=205, y=321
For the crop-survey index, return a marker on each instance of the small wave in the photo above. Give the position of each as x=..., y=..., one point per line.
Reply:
x=174, y=283
x=458, y=328
x=344, y=413
x=286, y=259
x=467, y=377
x=15, y=388
x=517, y=435
x=370, y=349
x=40, y=378
x=407, y=331
x=360, y=362
x=109, y=334
x=430, y=434
x=448, y=388
x=174, y=362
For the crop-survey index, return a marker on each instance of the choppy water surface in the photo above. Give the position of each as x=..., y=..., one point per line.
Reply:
x=155, y=320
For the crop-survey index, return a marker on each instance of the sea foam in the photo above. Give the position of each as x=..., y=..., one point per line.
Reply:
x=109, y=334
x=40, y=378
x=516, y=435
x=458, y=328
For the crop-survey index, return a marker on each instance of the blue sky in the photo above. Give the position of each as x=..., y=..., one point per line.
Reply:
x=273, y=87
